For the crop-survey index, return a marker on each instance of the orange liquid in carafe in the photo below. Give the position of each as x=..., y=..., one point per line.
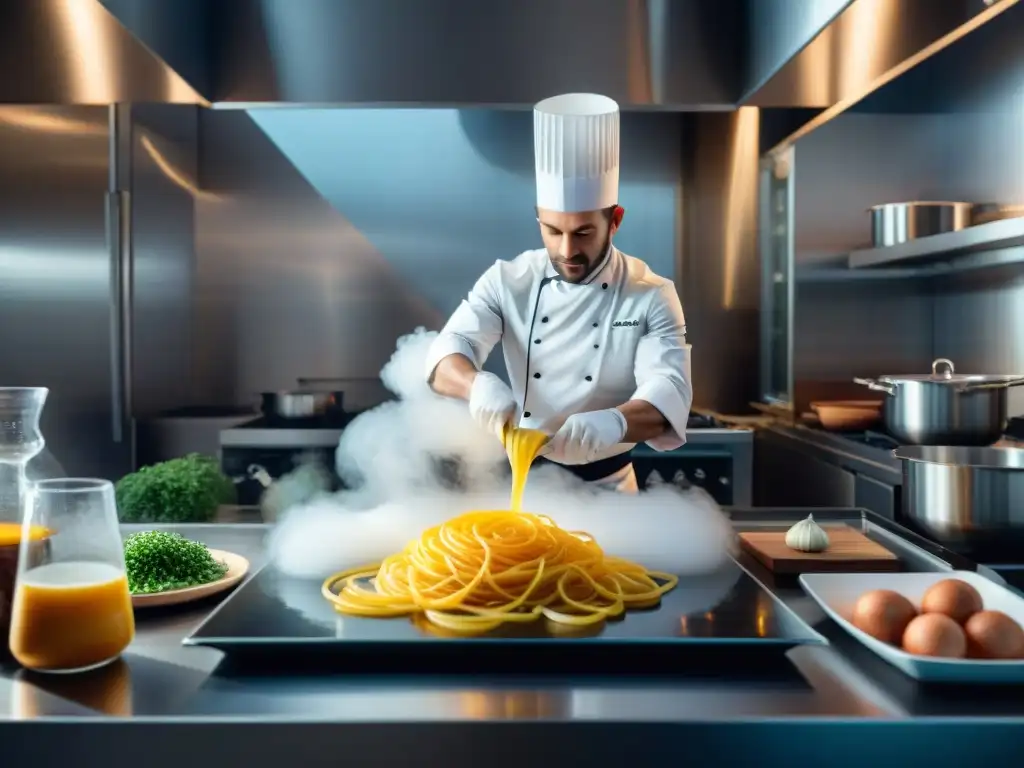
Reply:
x=10, y=534
x=10, y=548
x=70, y=616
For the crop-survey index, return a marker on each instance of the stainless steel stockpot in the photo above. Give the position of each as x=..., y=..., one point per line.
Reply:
x=944, y=407
x=964, y=496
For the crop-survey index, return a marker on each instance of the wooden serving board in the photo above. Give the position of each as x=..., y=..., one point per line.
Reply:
x=848, y=550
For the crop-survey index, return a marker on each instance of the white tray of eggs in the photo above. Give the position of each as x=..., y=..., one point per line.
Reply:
x=950, y=627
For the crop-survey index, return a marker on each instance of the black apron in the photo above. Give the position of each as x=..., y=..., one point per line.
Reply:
x=596, y=470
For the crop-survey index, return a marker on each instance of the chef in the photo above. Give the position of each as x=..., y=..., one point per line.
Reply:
x=594, y=341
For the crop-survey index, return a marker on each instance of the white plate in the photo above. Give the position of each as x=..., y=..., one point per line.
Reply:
x=837, y=593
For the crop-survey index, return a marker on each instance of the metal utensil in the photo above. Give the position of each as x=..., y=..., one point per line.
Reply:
x=301, y=404
x=894, y=223
x=963, y=494
x=944, y=407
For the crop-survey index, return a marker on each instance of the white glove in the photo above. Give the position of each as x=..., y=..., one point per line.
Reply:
x=584, y=436
x=491, y=403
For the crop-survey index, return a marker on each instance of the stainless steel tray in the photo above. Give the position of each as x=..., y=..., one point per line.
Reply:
x=704, y=622
x=731, y=619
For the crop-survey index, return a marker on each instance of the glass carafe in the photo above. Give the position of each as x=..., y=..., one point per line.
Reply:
x=20, y=442
x=72, y=610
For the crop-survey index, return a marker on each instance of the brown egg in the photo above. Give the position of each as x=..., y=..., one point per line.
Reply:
x=883, y=614
x=935, y=634
x=994, y=635
x=952, y=597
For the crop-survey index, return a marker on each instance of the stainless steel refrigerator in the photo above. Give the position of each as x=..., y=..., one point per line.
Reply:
x=96, y=263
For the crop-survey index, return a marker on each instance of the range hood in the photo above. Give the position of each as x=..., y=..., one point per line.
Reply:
x=76, y=52
x=866, y=45
x=675, y=54
x=811, y=56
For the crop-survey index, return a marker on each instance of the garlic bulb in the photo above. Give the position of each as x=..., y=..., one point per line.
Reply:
x=807, y=536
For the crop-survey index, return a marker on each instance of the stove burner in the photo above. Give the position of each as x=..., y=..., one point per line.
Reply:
x=872, y=439
x=1015, y=428
x=700, y=421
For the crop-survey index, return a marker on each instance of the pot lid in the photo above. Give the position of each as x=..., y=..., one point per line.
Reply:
x=943, y=372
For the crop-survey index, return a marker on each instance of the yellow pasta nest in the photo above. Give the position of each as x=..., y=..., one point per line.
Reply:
x=484, y=569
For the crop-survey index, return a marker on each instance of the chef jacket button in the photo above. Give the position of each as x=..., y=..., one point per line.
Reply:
x=595, y=325
x=536, y=341
x=604, y=286
x=536, y=375
x=590, y=378
x=544, y=319
x=526, y=414
x=596, y=346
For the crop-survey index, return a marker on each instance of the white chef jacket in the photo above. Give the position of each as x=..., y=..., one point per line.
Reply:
x=572, y=347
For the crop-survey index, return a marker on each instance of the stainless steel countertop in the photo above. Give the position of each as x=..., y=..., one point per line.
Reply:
x=160, y=682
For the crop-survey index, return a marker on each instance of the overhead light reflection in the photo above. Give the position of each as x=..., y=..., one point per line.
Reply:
x=740, y=196
x=174, y=174
x=90, y=67
x=29, y=119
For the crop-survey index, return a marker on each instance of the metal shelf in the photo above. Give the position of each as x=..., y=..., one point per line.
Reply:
x=812, y=274
x=996, y=235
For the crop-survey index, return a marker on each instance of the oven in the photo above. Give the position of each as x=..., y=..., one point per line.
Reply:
x=712, y=469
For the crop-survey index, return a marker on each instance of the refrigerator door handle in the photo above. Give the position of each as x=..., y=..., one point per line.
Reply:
x=118, y=222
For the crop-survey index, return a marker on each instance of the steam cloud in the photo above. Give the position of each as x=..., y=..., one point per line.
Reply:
x=390, y=454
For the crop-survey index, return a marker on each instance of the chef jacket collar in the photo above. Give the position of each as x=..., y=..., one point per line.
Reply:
x=552, y=274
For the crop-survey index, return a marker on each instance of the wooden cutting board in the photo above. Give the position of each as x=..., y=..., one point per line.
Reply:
x=848, y=550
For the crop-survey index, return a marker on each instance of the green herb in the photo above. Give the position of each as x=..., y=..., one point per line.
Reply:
x=185, y=490
x=157, y=561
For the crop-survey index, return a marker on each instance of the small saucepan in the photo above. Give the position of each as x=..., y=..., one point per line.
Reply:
x=298, y=404
x=848, y=415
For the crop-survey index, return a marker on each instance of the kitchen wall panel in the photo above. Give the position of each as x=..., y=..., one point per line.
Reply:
x=960, y=137
x=323, y=235
x=979, y=318
x=859, y=328
x=285, y=285
x=720, y=270
x=164, y=184
x=55, y=282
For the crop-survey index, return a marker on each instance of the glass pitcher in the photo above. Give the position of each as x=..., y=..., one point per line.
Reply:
x=20, y=442
x=72, y=610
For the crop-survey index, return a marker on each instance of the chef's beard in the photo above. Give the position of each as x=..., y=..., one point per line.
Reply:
x=580, y=258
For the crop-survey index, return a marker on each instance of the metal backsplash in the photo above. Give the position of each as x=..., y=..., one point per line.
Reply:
x=57, y=296
x=164, y=177
x=323, y=235
x=720, y=273
x=979, y=318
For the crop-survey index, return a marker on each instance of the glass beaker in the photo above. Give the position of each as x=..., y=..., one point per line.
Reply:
x=72, y=610
x=20, y=441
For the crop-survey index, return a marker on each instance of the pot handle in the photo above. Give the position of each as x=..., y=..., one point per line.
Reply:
x=994, y=385
x=947, y=364
x=878, y=386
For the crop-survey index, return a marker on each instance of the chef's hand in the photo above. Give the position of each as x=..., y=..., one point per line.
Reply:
x=585, y=435
x=491, y=403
